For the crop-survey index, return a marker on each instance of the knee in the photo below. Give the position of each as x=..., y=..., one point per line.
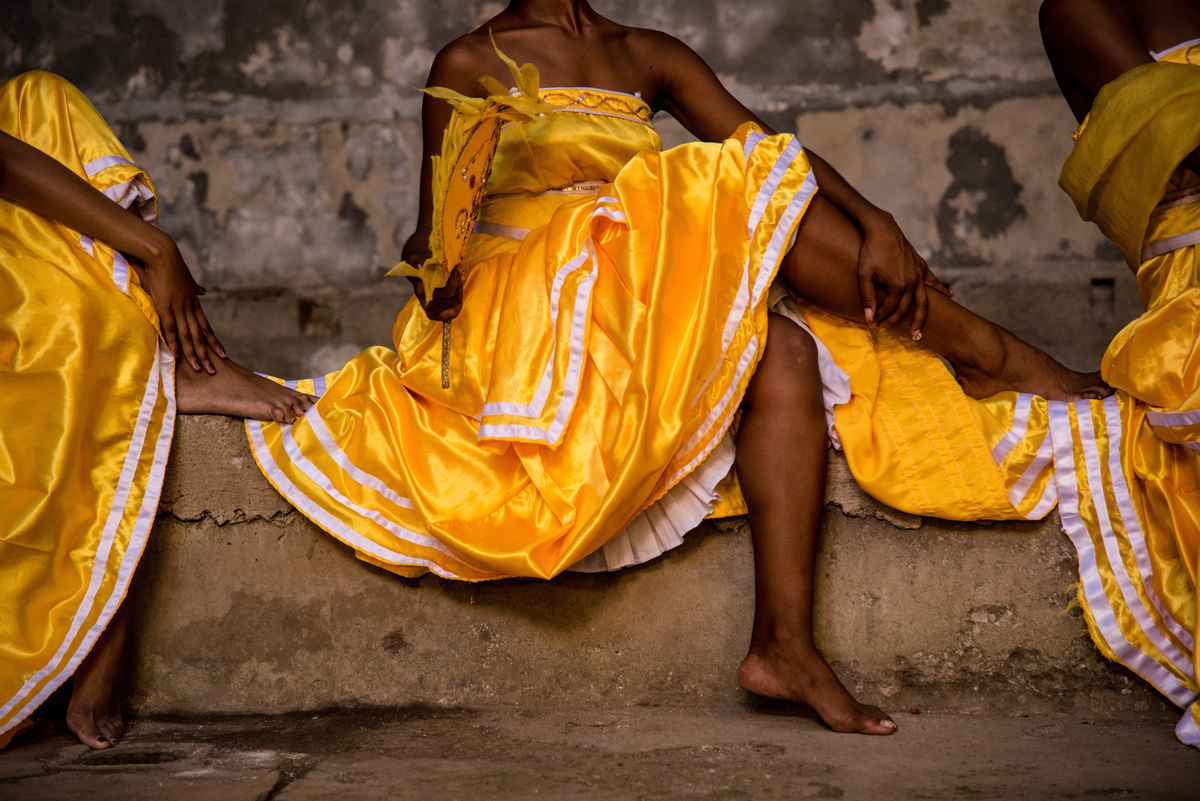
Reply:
x=788, y=374
x=39, y=87
x=791, y=345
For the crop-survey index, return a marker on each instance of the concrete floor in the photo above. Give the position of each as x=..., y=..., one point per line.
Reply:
x=749, y=750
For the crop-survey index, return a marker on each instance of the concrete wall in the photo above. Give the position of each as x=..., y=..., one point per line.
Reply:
x=283, y=138
x=242, y=605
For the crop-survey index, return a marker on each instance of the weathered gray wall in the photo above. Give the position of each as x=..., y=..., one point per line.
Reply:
x=245, y=606
x=284, y=142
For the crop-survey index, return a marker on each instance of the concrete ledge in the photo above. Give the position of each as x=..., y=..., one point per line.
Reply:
x=244, y=606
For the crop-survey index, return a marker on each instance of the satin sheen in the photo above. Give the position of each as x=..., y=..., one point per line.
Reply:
x=1123, y=174
x=596, y=362
x=86, y=406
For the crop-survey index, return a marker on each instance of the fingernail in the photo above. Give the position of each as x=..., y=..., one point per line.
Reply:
x=916, y=336
x=223, y=353
x=195, y=365
x=869, y=314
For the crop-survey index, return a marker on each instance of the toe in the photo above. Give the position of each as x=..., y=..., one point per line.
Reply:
x=112, y=729
x=883, y=726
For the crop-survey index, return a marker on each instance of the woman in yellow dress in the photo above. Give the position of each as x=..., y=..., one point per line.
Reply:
x=616, y=308
x=1131, y=73
x=90, y=390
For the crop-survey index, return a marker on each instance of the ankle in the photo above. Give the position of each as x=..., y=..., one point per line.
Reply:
x=984, y=351
x=779, y=644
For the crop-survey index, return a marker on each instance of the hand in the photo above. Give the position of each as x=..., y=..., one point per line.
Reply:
x=446, y=302
x=889, y=259
x=175, y=295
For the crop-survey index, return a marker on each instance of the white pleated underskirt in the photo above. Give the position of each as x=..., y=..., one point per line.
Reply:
x=663, y=525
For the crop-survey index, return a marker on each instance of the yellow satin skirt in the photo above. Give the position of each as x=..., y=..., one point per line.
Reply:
x=1139, y=509
x=595, y=368
x=86, y=411
x=1133, y=506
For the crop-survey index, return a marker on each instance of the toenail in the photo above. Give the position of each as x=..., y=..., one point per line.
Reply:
x=887, y=724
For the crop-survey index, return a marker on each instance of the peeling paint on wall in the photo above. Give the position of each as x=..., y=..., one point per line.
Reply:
x=283, y=136
x=983, y=200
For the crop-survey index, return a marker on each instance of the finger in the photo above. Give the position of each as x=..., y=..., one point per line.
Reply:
x=169, y=334
x=185, y=342
x=450, y=303
x=901, y=310
x=442, y=315
x=866, y=293
x=891, y=299
x=920, y=312
x=210, y=336
x=199, y=347
x=418, y=290
x=931, y=280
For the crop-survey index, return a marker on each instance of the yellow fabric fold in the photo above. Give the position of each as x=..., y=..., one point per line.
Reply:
x=598, y=360
x=87, y=408
x=460, y=171
x=1131, y=482
x=1140, y=128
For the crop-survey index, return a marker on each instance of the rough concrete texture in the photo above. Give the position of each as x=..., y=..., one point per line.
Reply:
x=284, y=142
x=720, y=752
x=242, y=605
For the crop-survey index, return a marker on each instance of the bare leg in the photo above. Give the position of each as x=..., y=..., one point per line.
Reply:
x=781, y=453
x=233, y=390
x=821, y=268
x=237, y=392
x=94, y=712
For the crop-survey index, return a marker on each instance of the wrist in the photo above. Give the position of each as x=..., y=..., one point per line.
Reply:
x=872, y=218
x=155, y=247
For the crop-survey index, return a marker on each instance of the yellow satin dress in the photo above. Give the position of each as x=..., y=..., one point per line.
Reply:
x=614, y=309
x=1137, y=527
x=615, y=306
x=86, y=406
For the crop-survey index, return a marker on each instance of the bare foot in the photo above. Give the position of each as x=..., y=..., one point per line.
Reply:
x=237, y=392
x=1014, y=365
x=94, y=712
x=806, y=678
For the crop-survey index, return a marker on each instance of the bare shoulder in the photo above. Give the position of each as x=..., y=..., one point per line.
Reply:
x=660, y=47
x=1063, y=17
x=459, y=64
x=672, y=67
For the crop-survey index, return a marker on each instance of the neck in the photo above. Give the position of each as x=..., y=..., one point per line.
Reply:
x=570, y=15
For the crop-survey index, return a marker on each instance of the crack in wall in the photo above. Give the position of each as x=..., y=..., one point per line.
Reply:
x=280, y=517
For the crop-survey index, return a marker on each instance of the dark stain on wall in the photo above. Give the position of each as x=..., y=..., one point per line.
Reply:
x=396, y=642
x=283, y=49
x=351, y=212
x=982, y=199
x=131, y=137
x=95, y=46
x=928, y=9
x=199, y=181
x=187, y=146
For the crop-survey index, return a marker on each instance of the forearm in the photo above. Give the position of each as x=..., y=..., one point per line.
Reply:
x=843, y=196
x=34, y=180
